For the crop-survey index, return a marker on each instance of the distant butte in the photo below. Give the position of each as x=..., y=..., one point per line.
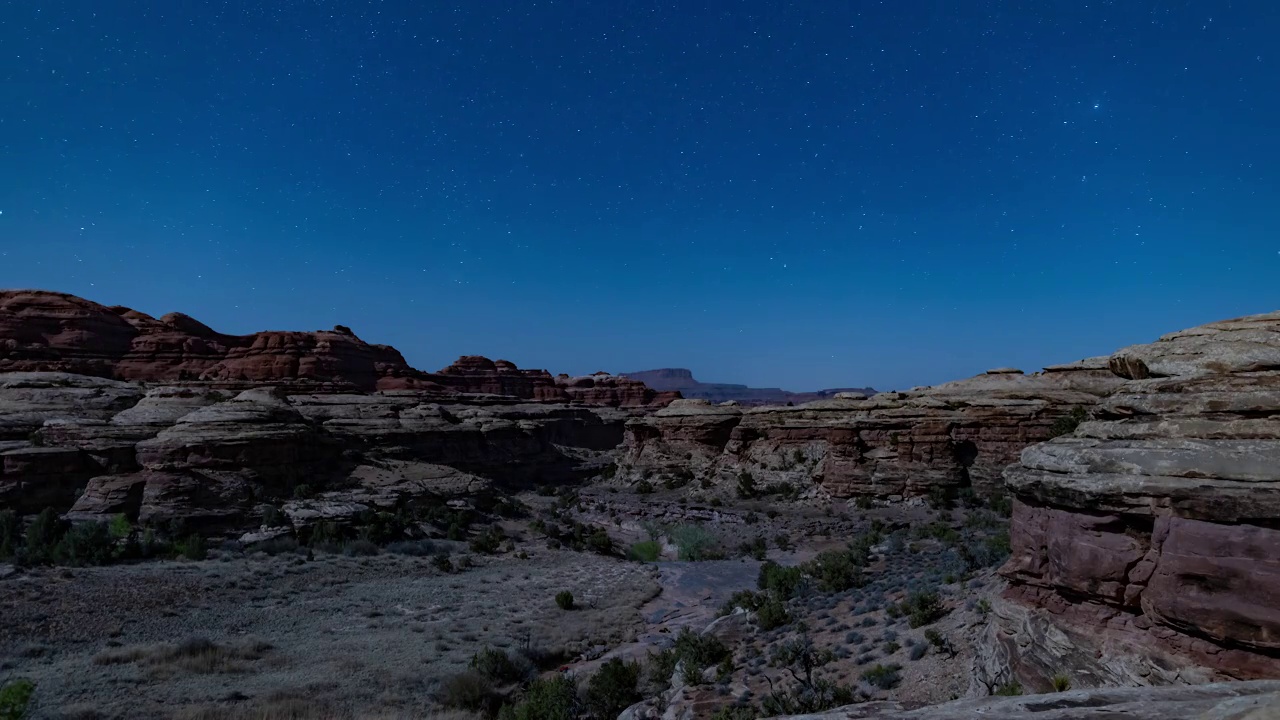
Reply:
x=682, y=381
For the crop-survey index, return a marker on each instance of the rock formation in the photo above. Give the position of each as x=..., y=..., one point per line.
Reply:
x=681, y=380
x=958, y=434
x=1256, y=700
x=1157, y=524
x=55, y=332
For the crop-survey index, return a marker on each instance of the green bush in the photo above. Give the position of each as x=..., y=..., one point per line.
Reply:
x=613, y=688
x=835, y=570
x=497, y=666
x=553, y=698
x=783, y=581
x=884, y=677
x=745, y=599
x=747, y=486
x=699, y=651
x=192, y=548
x=1009, y=689
x=120, y=527
x=644, y=487
x=488, y=542
x=14, y=698
x=645, y=551
x=564, y=599
x=43, y=535
x=86, y=544
x=1061, y=682
x=772, y=614
x=693, y=542
x=922, y=608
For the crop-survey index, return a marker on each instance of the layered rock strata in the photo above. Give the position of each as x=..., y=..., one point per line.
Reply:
x=211, y=458
x=958, y=434
x=55, y=332
x=1158, y=522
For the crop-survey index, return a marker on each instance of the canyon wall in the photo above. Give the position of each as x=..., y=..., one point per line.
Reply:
x=1154, y=529
x=958, y=434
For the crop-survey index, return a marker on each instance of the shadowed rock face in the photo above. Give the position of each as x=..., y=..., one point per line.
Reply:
x=1161, y=516
x=55, y=332
x=211, y=458
x=892, y=444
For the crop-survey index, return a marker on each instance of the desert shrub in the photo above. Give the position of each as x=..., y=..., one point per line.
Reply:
x=918, y=651
x=553, y=698
x=599, y=542
x=192, y=548
x=1068, y=423
x=442, y=562
x=772, y=614
x=885, y=677
x=613, y=688
x=644, y=487
x=1061, y=682
x=302, y=491
x=119, y=527
x=747, y=486
x=745, y=599
x=756, y=548
x=498, y=666
x=939, y=498
x=14, y=698
x=699, y=651
x=468, y=690
x=488, y=542
x=835, y=571
x=42, y=537
x=920, y=607
x=808, y=694
x=645, y=551
x=783, y=541
x=783, y=581
x=564, y=599
x=1009, y=689
x=693, y=542
x=660, y=667
x=86, y=544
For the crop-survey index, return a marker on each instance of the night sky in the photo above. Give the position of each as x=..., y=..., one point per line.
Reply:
x=804, y=195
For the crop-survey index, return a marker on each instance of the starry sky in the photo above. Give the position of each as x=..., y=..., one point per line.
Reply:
x=794, y=194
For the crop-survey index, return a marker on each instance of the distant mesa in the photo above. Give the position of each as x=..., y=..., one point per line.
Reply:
x=681, y=380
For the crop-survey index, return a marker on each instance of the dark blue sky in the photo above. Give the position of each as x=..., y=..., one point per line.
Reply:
x=803, y=194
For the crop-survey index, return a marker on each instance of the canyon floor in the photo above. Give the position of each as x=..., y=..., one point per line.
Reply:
x=303, y=633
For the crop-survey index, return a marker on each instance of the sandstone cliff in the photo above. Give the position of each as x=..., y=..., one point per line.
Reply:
x=55, y=332
x=1156, y=526
x=954, y=435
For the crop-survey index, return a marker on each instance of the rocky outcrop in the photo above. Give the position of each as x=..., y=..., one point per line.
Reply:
x=889, y=445
x=473, y=374
x=212, y=458
x=1160, y=519
x=55, y=332
x=1256, y=700
x=681, y=380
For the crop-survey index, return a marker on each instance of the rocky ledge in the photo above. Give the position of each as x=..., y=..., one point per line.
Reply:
x=896, y=444
x=1156, y=525
x=1256, y=700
